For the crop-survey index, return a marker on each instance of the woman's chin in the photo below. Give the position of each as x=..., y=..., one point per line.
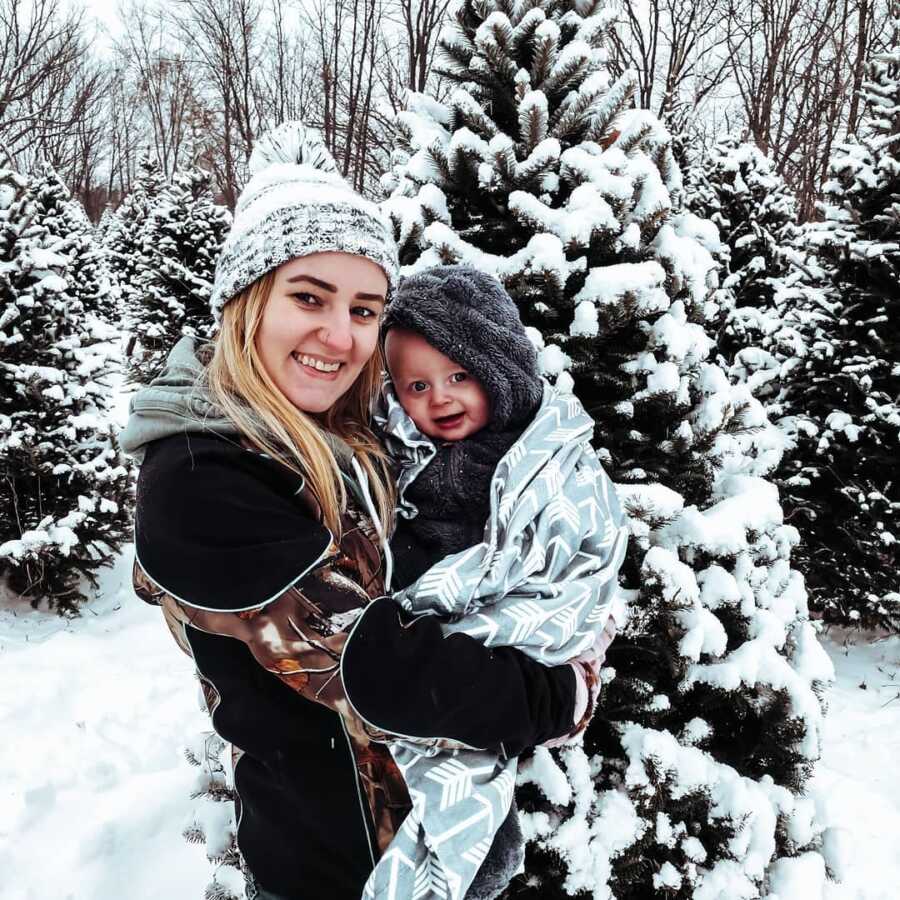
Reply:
x=314, y=402
x=311, y=394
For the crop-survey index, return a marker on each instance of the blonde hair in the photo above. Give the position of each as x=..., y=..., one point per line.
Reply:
x=240, y=385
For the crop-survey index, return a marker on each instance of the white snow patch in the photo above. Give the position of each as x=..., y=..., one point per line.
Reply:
x=98, y=709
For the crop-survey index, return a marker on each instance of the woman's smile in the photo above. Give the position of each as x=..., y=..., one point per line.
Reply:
x=316, y=367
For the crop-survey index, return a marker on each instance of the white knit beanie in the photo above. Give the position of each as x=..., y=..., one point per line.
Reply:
x=297, y=203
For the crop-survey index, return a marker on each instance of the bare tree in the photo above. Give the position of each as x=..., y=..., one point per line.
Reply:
x=164, y=82
x=679, y=52
x=863, y=39
x=797, y=65
x=124, y=133
x=357, y=89
x=352, y=49
x=41, y=49
x=783, y=73
x=79, y=152
x=422, y=22
x=226, y=39
x=290, y=86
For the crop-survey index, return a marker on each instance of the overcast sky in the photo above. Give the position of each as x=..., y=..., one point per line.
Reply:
x=105, y=13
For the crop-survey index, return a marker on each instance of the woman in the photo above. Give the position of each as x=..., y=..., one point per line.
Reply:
x=260, y=504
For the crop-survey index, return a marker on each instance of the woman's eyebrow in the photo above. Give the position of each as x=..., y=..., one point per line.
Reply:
x=332, y=289
x=316, y=281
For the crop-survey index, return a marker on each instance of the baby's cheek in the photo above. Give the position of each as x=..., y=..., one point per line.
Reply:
x=414, y=414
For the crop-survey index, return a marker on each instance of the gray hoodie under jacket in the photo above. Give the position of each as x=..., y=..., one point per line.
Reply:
x=176, y=402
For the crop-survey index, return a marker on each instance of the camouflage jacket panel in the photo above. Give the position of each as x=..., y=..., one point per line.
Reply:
x=324, y=602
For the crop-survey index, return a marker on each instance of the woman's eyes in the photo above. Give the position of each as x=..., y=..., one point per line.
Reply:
x=311, y=300
x=457, y=377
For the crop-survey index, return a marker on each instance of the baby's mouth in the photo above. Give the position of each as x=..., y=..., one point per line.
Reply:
x=449, y=421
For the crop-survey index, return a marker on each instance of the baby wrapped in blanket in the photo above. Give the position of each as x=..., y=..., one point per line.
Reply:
x=518, y=536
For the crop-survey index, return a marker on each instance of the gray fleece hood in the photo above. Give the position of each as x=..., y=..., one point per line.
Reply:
x=173, y=403
x=176, y=402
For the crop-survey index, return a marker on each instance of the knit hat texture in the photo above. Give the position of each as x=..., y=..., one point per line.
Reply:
x=296, y=203
x=469, y=317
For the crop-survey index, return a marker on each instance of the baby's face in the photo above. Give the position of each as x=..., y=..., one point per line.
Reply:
x=439, y=395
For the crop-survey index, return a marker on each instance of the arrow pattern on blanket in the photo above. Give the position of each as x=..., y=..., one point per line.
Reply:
x=455, y=780
x=543, y=581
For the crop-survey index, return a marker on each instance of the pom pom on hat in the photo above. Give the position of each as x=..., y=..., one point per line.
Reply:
x=296, y=203
x=291, y=142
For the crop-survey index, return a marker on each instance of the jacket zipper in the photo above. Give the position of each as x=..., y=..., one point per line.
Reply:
x=380, y=528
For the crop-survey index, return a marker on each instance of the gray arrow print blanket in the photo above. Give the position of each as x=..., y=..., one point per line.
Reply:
x=543, y=580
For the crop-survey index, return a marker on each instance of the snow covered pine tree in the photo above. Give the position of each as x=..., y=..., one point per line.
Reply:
x=106, y=224
x=89, y=265
x=64, y=486
x=844, y=476
x=689, y=782
x=211, y=820
x=121, y=235
x=173, y=270
x=736, y=187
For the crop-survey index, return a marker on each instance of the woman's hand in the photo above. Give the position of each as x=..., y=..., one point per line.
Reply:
x=605, y=638
x=587, y=667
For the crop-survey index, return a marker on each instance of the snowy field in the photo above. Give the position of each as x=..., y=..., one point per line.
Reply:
x=94, y=788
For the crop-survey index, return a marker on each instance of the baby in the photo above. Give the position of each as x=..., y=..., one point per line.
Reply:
x=465, y=373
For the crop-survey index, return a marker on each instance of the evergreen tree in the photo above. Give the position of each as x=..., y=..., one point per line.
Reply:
x=842, y=481
x=64, y=486
x=211, y=821
x=88, y=260
x=103, y=235
x=689, y=780
x=178, y=248
x=122, y=236
x=106, y=224
x=736, y=187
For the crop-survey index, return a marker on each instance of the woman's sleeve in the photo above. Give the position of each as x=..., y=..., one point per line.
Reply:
x=405, y=677
x=218, y=527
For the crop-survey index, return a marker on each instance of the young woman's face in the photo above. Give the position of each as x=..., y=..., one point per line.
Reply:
x=320, y=326
x=439, y=395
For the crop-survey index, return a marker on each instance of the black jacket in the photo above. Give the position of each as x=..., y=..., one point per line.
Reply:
x=222, y=529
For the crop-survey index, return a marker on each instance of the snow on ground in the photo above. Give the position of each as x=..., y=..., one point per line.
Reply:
x=94, y=789
x=859, y=775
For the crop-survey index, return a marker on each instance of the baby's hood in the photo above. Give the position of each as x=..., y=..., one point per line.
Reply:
x=173, y=403
x=469, y=317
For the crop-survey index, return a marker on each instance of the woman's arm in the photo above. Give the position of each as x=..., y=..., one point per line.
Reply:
x=405, y=677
